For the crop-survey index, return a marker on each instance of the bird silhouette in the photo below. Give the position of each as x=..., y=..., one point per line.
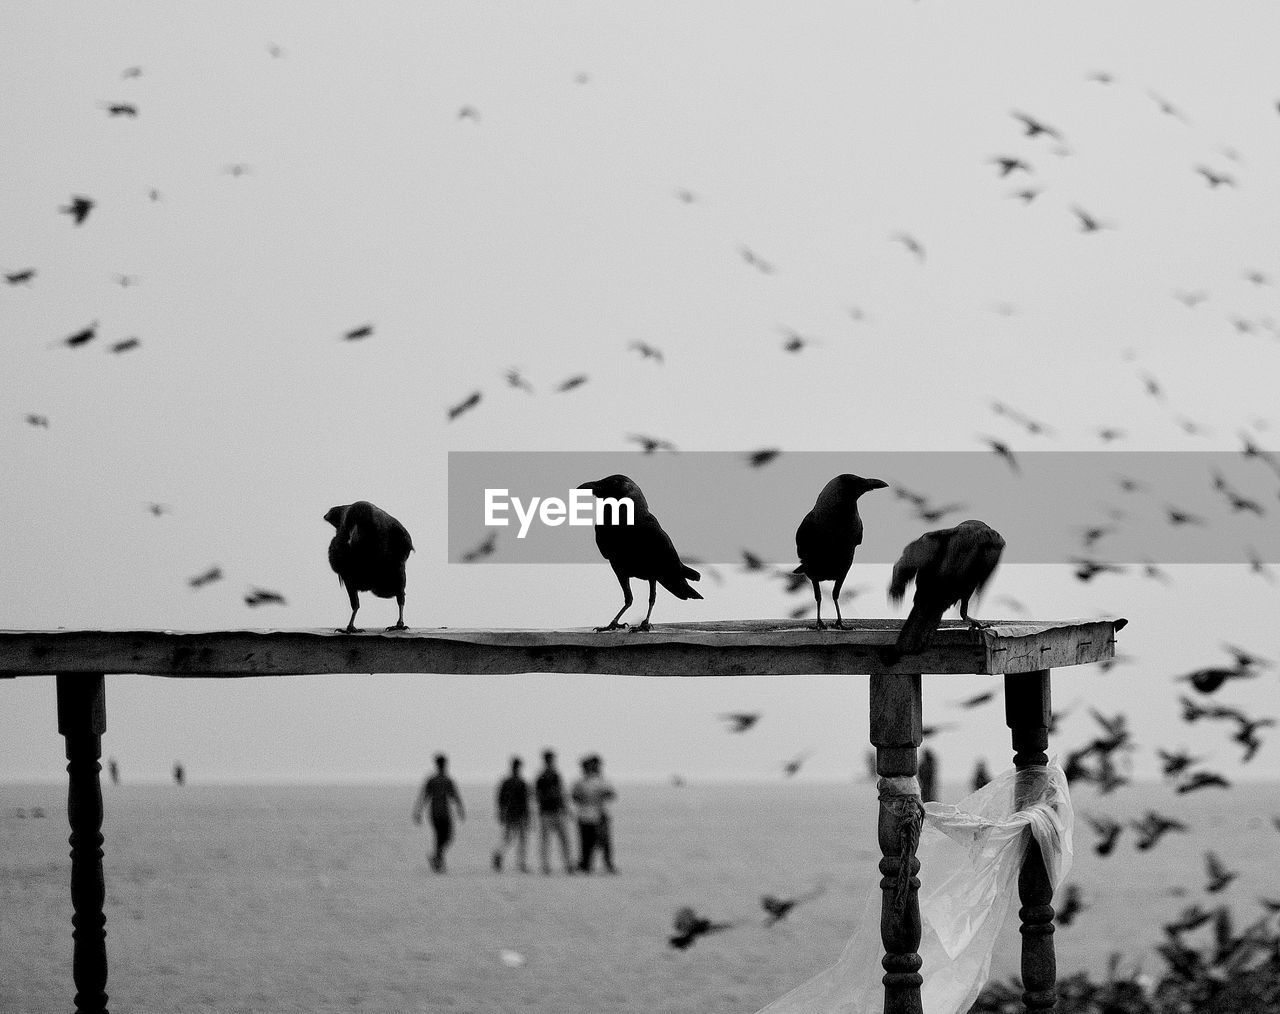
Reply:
x=1218, y=874
x=485, y=547
x=650, y=444
x=20, y=277
x=263, y=597
x=977, y=699
x=517, y=380
x=577, y=380
x=762, y=457
x=777, y=909
x=466, y=404
x=740, y=721
x=689, y=926
x=828, y=536
x=639, y=549
x=1173, y=763
x=1033, y=127
x=1215, y=178
x=949, y=565
x=913, y=245
x=368, y=553
x=1203, y=780
x=1088, y=568
x=208, y=577
x=125, y=345
x=1008, y=164
x=1003, y=451
x=356, y=333
x=1071, y=906
x=35, y=419
x=647, y=351
x=792, y=767
x=121, y=109
x=237, y=169
x=756, y=261
x=1088, y=223
x=81, y=337
x=78, y=208
x=1108, y=832
x=1190, y=299
x=1154, y=826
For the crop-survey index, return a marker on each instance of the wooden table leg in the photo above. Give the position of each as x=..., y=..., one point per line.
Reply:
x=1027, y=713
x=896, y=735
x=82, y=719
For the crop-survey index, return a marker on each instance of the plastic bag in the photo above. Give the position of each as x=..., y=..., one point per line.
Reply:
x=970, y=856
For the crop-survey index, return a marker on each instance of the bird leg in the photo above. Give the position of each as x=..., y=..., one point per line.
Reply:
x=400, y=622
x=964, y=615
x=626, y=604
x=835, y=598
x=643, y=625
x=351, y=627
x=817, y=598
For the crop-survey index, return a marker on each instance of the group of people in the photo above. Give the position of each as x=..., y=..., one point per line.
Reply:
x=516, y=804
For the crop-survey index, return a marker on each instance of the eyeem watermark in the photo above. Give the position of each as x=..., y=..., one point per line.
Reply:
x=582, y=508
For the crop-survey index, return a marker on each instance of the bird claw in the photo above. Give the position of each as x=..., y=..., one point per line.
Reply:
x=978, y=625
x=349, y=630
x=839, y=625
x=819, y=625
x=640, y=628
x=398, y=626
x=611, y=626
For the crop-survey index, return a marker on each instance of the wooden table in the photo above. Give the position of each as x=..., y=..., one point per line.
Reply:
x=1023, y=652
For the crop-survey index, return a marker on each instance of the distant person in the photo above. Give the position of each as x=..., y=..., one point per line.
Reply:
x=436, y=794
x=553, y=812
x=590, y=794
x=513, y=816
x=179, y=774
x=980, y=774
x=114, y=770
x=928, y=775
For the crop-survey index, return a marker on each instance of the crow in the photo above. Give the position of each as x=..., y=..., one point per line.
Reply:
x=762, y=457
x=977, y=699
x=121, y=109
x=1008, y=164
x=1034, y=126
x=756, y=261
x=828, y=536
x=638, y=549
x=741, y=721
x=208, y=577
x=1203, y=780
x=1219, y=876
x=1072, y=905
x=913, y=245
x=778, y=908
x=262, y=597
x=689, y=926
x=467, y=403
x=1108, y=831
x=1002, y=450
x=647, y=351
x=35, y=419
x=949, y=565
x=356, y=333
x=1154, y=826
x=125, y=344
x=368, y=552
x=792, y=767
x=650, y=444
x=1214, y=178
x=1173, y=764
x=22, y=277
x=577, y=380
x=516, y=379
x=485, y=547
x=1088, y=223
x=78, y=209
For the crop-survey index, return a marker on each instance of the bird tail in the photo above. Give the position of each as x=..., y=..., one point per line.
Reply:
x=918, y=629
x=679, y=585
x=799, y=570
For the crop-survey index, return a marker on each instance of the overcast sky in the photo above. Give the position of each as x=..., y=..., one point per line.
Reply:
x=539, y=187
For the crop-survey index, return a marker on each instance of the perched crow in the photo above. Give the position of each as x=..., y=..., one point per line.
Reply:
x=949, y=565
x=828, y=536
x=368, y=553
x=641, y=549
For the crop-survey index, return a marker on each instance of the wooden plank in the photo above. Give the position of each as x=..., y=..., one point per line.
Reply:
x=721, y=648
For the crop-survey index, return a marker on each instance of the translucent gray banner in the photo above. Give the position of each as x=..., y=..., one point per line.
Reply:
x=1051, y=507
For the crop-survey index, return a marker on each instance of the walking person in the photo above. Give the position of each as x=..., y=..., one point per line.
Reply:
x=435, y=796
x=513, y=815
x=590, y=794
x=548, y=791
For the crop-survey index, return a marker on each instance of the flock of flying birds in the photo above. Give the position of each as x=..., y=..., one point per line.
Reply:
x=1103, y=761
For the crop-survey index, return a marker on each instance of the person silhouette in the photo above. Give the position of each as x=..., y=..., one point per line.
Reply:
x=434, y=797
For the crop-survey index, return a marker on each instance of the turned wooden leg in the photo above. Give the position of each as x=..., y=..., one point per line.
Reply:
x=896, y=735
x=82, y=719
x=1026, y=702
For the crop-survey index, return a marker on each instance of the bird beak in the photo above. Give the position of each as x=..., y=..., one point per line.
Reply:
x=876, y=484
x=588, y=485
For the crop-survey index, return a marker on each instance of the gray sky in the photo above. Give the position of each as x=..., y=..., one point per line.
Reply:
x=545, y=232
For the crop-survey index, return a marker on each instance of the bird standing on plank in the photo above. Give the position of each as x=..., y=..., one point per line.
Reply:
x=828, y=536
x=640, y=549
x=368, y=553
x=948, y=566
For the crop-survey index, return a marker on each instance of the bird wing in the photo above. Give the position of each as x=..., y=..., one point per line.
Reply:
x=971, y=556
x=924, y=552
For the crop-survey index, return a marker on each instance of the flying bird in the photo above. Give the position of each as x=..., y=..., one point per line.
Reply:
x=368, y=553
x=469, y=113
x=208, y=577
x=796, y=342
x=466, y=404
x=689, y=926
x=1087, y=569
x=78, y=208
x=1108, y=832
x=949, y=565
x=81, y=337
x=125, y=345
x=1009, y=164
x=740, y=721
x=1088, y=223
x=1003, y=451
x=762, y=457
x=913, y=245
x=485, y=547
x=792, y=767
x=121, y=109
x=1167, y=107
x=639, y=549
x=1072, y=905
x=1219, y=876
x=828, y=536
x=1032, y=426
x=356, y=333
x=977, y=699
x=263, y=597
x=777, y=909
x=34, y=419
x=238, y=169
x=647, y=351
x=1032, y=126
x=1154, y=826
x=1216, y=179
x=20, y=277
x=1190, y=299
x=130, y=72
x=577, y=380
x=1203, y=780
x=650, y=444
x=1173, y=763
x=517, y=380
x=756, y=261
